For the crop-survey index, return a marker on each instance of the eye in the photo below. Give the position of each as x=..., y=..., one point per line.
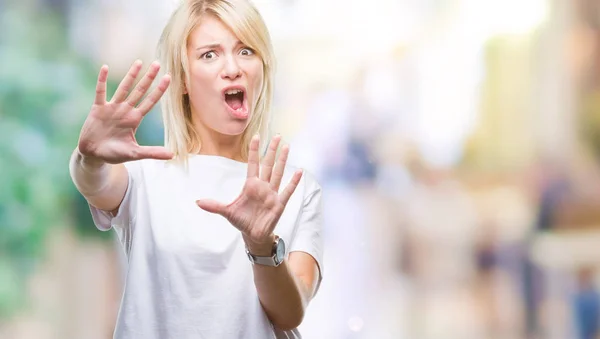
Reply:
x=246, y=51
x=209, y=55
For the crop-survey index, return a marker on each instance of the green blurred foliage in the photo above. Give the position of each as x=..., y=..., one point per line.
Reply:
x=41, y=92
x=45, y=94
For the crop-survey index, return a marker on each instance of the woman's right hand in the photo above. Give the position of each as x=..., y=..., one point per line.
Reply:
x=108, y=133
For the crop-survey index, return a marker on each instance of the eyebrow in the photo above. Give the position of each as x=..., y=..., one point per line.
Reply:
x=216, y=45
x=210, y=46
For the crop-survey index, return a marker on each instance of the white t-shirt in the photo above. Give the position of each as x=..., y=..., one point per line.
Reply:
x=188, y=275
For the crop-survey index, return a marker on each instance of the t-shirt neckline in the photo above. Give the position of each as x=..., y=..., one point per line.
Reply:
x=218, y=160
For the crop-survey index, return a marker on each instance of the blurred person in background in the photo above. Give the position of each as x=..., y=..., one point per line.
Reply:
x=553, y=188
x=200, y=267
x=586, y=305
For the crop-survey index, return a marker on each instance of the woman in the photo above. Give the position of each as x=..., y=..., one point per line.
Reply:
x=198, y=266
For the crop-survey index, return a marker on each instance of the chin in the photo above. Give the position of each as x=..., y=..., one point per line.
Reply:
x=233, y=127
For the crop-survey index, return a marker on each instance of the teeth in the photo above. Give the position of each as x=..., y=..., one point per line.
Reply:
x=233, y=91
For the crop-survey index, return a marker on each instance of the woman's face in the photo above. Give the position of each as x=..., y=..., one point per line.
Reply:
x=225, y=78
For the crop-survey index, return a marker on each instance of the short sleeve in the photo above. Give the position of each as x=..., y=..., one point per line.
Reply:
x=309, y=235
x=105, y=220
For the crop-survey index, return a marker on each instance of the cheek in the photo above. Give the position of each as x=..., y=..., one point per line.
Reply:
x=258, y=80
x=202, y=94
x=197, y=80
x=201, y=85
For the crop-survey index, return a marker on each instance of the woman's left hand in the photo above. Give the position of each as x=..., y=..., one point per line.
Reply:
x=259, y=206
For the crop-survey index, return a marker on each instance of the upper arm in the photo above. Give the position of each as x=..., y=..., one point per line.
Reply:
x=306, y=249
x=119, y=199
x=304, y=267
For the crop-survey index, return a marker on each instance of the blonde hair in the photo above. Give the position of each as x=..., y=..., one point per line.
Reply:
x=247, y=24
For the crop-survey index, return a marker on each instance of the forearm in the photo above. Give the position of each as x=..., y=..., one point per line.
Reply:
x=96, y=181
x=282, y=295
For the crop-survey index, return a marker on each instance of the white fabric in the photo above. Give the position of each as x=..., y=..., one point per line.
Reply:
x=188, y=275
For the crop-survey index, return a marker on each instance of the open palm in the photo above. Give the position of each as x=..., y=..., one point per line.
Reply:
x=108, y=133
x=259, y=206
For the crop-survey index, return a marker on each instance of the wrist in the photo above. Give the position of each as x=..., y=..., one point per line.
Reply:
x=89, y=162
x=262, y=248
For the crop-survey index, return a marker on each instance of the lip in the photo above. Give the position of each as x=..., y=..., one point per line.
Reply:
x=240, y=87
x=236, y=114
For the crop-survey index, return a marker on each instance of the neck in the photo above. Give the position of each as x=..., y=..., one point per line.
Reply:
x=215, y=143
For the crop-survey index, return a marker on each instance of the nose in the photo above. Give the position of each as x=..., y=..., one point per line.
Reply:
x=231, y=69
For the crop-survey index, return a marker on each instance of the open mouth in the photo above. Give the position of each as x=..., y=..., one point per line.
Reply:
x=235, y=100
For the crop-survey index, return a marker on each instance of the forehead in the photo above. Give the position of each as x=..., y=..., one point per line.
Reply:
x=211, y=30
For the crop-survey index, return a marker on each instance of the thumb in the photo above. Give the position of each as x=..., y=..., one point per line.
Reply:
x=211, y=206
x=152, y=152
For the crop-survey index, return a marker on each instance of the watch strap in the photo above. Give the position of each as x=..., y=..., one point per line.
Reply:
x=265, y=260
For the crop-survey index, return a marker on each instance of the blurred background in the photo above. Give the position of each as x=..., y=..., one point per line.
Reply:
x=457, y=141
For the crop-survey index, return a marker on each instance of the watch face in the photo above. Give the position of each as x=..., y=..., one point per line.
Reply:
x=280, y=250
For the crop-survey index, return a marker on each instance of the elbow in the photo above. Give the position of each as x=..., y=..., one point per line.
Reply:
x=288, y=326
x=290, y=323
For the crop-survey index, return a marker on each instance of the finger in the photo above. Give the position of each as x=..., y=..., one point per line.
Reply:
x=253, y=159
x=151, y=152
x=291, y=187
x=155, y=96
x=266, y=169
x=144, y=84
x=279, y=168
x=127, y=82
x=101, y=86
x=211, y=206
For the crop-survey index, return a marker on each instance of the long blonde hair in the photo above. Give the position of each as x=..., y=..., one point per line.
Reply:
x=247, y=24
